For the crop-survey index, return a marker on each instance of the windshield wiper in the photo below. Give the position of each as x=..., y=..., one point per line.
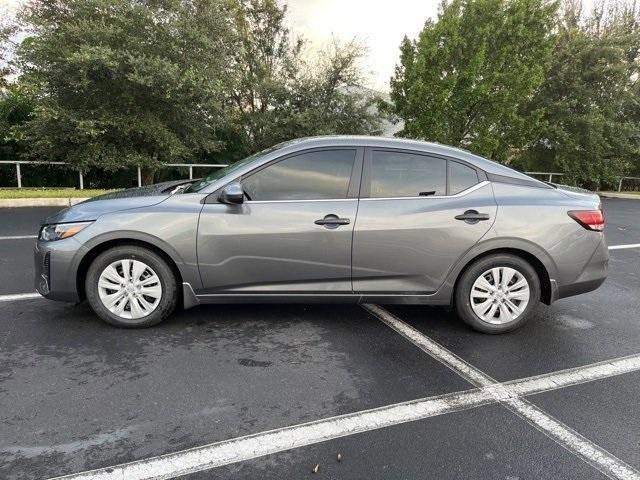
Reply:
x=180, y=188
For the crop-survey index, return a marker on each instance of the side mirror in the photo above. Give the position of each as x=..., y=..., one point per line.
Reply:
x=232, y=194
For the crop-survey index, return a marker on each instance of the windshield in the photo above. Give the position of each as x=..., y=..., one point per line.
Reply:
x=221, y=172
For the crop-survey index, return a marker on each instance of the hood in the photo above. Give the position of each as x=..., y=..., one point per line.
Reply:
x=116, y=201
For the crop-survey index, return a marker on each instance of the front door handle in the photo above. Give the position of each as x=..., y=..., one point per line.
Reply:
x=472, y=216
x=332, y=221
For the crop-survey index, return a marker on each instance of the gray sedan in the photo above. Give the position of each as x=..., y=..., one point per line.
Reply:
x=331, y=219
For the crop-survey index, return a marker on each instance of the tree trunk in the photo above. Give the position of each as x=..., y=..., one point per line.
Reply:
x=147, y=175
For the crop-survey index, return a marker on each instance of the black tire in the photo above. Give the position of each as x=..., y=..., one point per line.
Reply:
x=169, y=296
x=462, y=298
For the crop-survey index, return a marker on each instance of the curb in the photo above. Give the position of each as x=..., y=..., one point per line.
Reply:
x=39, y=202
x=619, y=195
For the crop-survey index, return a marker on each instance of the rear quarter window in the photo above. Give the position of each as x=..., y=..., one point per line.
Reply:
x=461, y=177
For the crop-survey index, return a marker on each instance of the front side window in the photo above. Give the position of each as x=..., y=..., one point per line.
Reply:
x=315, y=175
x=400, y=174
x=221, y=172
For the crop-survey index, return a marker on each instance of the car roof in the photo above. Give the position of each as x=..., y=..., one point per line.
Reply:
x=485, y=164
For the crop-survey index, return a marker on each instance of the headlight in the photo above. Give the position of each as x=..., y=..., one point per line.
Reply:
x=49, y=233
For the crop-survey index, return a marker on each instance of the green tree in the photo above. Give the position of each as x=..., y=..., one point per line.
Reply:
x=7, y=29
x=16, y=106
x=121, y=83
x=118, y=83
x=280, y=95
x=331, y=97
x=15, y=110
x=590, y=98
x=467, y=77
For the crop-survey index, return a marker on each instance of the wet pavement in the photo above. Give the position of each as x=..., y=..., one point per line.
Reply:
x=76, y=394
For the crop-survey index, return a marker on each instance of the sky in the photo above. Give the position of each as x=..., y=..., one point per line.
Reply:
x=379, y=24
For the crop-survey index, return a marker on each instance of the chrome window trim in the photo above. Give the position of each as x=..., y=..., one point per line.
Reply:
x=459, y=194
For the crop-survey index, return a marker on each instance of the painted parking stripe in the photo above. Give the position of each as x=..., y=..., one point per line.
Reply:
x=571, y=440
x=18, y=237
x=19, y=296
x=274, y=441
x=622, y=247
x=573, y=376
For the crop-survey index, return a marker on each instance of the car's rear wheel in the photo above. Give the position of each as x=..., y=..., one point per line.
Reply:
x=498, y=293
x=131, y=287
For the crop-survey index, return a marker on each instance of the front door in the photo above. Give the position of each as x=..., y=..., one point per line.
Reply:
x=292, y=234
x=407, y=236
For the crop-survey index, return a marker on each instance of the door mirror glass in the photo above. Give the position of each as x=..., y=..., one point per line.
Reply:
x=231, y=194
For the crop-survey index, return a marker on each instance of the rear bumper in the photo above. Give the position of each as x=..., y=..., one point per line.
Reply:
x=593, y=274
x=580, y=287
x=55, y=266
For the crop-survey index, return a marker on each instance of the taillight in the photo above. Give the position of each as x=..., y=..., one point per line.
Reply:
x=589, y=219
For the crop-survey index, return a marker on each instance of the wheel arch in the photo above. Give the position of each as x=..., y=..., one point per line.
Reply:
x=542, y=263
x=98, y=248
x=538, y=266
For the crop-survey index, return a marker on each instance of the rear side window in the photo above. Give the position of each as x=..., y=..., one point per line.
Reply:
x=461, y=177
x=399, y=174
x=309, y=176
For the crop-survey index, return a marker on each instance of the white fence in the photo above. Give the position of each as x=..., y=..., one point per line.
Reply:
x=81, y=177
x=548, y=176
x=626, y=178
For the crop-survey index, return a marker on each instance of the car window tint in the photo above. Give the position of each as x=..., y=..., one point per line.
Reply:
x=461, y=177
x=309, y=176
x=397, y=174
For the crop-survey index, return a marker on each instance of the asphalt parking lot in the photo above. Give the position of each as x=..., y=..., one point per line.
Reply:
x=270, y=391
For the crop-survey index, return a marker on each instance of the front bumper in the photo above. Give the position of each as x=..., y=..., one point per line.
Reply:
x=56, y=266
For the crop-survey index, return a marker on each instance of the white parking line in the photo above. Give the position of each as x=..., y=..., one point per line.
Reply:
x=19, y=296
x=273, y=441
x=573, y=376
x=571, y=440
x=622, y=247
x=18, y=237
x=278, y=440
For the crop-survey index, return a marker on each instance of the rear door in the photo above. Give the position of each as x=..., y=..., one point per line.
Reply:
x=292, y=234
x=418, y=214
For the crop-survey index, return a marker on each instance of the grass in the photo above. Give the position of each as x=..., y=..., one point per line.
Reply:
x=632, y=193
x=49, y=193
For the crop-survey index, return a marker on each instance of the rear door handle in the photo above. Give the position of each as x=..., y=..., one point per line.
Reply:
x=332, y=221
x=472, y=216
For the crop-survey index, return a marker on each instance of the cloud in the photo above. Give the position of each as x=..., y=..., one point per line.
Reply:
x=10, y=5
x=379, y=24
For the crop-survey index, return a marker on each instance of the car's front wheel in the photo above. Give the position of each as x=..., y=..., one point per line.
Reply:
x=130, y=286
x=498, y=293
